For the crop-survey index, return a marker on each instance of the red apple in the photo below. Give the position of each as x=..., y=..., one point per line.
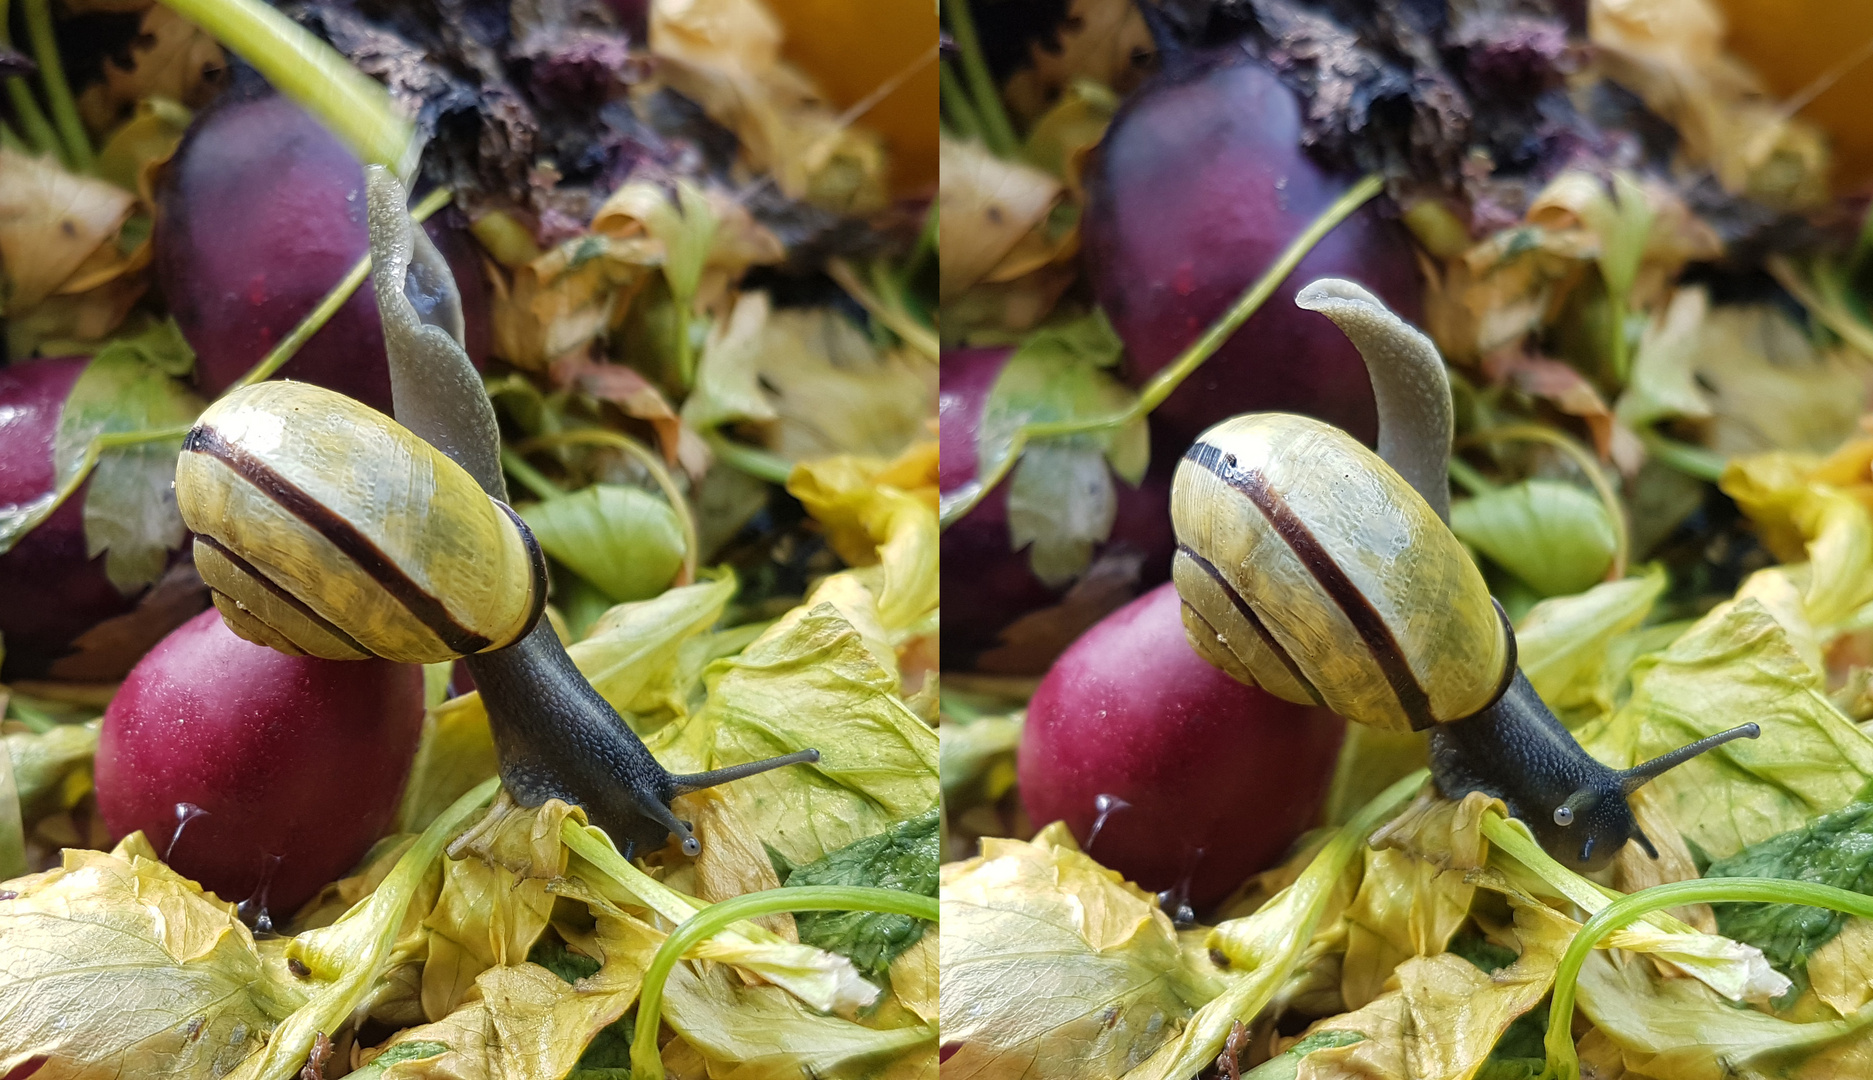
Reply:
x=1207, y=780
x=295, y=764
x=261, y=213
x=1198, y=185
x=50, y=591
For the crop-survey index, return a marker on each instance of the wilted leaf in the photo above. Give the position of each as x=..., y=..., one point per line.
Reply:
x=51, y=769
x=812, y=681
x=762, y=1033
x=1406, y=907
x=1552, y=535
x=1053, y=966
x=1771, y=389
x=170, y=58
x=1100, y=41
x=1447, y=1015
x=988, y=206
x=625, y=388
x=1672, y=56
x=1562, y=643
x=1663, y=383
x=58, y=230
x=116, y=965
x=142, y=144
x=130, y=506
x=882, y=514
x=725, y=55
x=622, y=539
x=1738, y=665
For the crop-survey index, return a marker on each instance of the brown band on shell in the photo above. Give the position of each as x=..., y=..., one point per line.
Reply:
x=360, y=549
x=1365, y=619
x=280, y=593
x=537, y=559
x=1248, y=614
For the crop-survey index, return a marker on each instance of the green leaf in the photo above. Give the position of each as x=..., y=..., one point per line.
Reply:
x=622, y=539
x=1061, y=499
x=43, y=762
x=1835, y=849
x=1736, y=665
x=1554, y=536
x=1287, y=1064
x=903, y=857
x=130, y=508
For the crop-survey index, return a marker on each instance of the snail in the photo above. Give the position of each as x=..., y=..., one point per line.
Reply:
x=324, y=527
x=1326, y=573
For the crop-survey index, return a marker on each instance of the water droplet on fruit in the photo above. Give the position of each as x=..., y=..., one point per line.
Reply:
x=253, y=910
x=1103, y=806
x=185, y=813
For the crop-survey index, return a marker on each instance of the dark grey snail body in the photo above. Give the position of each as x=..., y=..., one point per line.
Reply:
x=1326, y=573
x=558, y=739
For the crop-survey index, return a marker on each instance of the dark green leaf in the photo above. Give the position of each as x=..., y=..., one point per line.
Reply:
x=130, y=508
x=552, y=954
x=1554, y=536
x=622, y=539
x=902, y=857
x=1835, y=849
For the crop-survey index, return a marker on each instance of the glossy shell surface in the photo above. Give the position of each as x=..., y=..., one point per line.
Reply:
x=325, y=527
x=1309, y=567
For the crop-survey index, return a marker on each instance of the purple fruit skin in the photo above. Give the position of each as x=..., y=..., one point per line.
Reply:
x=50, y=592
x=1221, y=777
x=1198, y=185
x=289, y=755
x=262, y=211
x=993, y=586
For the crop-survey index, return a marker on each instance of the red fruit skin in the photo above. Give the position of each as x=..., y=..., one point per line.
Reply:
x=50, y=592
x=993, y=585
x=1199, y=184
x=262, y=211
x=1221, y=777
x=290, y=756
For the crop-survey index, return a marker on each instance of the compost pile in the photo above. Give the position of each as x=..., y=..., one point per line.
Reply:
x=699, y=283
x=1647, y=277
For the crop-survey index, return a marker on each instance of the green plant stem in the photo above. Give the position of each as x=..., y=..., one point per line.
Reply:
x=1469, y=478
x=354, y=106
x=894, y=317
x=646, y=1060
x=997, y=132
x=756, y=463
x=39, y=134
x=964, y=498
x=58, y=92
x=1584, y=461
x=10, y=139
x=1563, y=1062
x=316, y=319
x=1693, y=461
x=1616, y=305
x=686, y=518
x=957, y=107
x=530, y=478
x=272, y=362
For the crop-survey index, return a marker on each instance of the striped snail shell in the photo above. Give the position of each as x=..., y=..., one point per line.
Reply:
x=325, y=527
x=1309, y=567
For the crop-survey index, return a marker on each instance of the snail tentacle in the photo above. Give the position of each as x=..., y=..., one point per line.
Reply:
x=1410, y=385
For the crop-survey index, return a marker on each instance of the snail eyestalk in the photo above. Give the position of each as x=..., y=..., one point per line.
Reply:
x=1639, y=775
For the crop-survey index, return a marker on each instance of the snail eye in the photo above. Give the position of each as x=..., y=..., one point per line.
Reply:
x=1564, y=815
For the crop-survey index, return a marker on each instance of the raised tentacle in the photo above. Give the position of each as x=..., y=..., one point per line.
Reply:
x=1409, y=385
